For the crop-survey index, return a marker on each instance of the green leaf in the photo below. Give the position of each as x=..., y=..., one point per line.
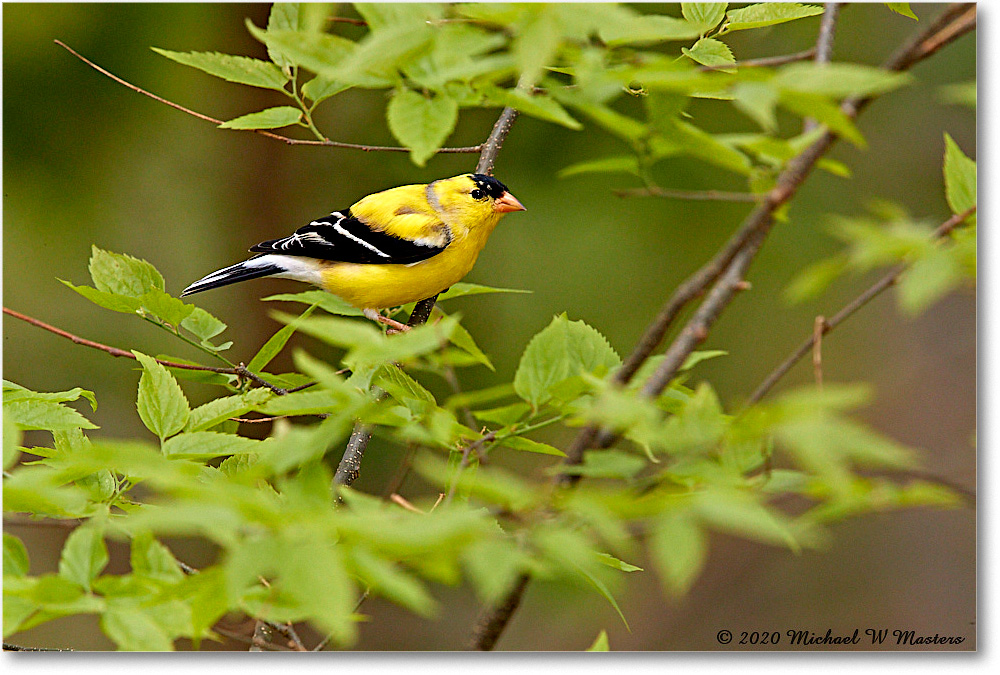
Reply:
x=601, y=643
x=604, y=591
x=202, y=324
x=11, y=442
x=15, y=557
x=959, y=177
x=84, y=555
x=421, y=123
x=838, y=80
x=527, y=445
x=219, y=410
x=615, y=164
x=902, y=8
x=679, y=548
x=326, y=301
x=814, y=279
x=321, y=88
x=825, y=112
x=493, y=565
x=161, y=403
x=713, y=53
x=36, y=414
x=152, y=559
x=650, y=28
x=563, y=350
x=540, y=106
x=401, y=386
x=694, y=358
x=606, y=464
x=380, y=15
x=707, y=14
x=767, y=14
x=313, y=574
x=757, y=101
x=504, y=415
x=134, y=629
x=741, y=514
x=962, y=93
x=272, y=118
x=122, y=274
x=929, y=279
x=116, y=303
x=166, y=307
x=462, y=289
x=15, y=392
x=387, y=580
x=276, y=343
x=617, y=564
x=208, y=445
x=320, y=52
x=239, y=69
x=462, y=339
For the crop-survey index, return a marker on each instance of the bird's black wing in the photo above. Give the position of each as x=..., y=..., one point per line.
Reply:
x=343, y=238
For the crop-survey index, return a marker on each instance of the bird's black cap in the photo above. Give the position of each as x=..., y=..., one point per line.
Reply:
x=489, y=185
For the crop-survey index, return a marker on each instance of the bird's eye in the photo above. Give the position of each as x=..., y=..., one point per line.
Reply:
x=477, y=194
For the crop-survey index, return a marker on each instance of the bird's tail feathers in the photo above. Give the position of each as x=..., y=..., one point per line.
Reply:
x=254, y=268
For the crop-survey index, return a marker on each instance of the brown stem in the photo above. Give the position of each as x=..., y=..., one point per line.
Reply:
x=263, y=132
x=769, y=61
x=849, y=309
x=239, y=370
x=493, y=622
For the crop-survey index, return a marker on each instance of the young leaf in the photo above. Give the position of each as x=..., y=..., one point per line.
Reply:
x=838, y=80
x=421, y=123
x=15, y=557
x=767, y=14
x=649, y=28
x=239, y=69
x=326, y=301
x=527, y=445
x=272, y=118
x=162, y=405
x=615, y=164
x=134, y=629
x=540, y=106
x=208, y=445
x=902, y=8
x=116, y=303
x=713, y=53
x=11, y=442
x=166, y=307
x=276, y=343
x=462, y=339
x=959, y=177
x=122, y=274
x=84, y=555
x=601, y=643
x=679, y=548
x=202, y=324
x=31, y=414
x=707, y=14
x=15, y=392
x=563, y=350
x=462, y=289
x=219, y=410
x=928, y=280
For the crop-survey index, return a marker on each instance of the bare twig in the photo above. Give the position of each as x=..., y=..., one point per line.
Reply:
x=491, y=148
x=768, y=61
x=326, y=142
x=693, y=195
x=240, y=370
x=824, y=46
x=819, y=327
x=849, y=309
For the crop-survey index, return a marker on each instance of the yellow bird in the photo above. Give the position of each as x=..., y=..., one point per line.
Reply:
x=388, y=249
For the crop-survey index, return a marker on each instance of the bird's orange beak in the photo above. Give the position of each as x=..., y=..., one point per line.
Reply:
x=507, y=202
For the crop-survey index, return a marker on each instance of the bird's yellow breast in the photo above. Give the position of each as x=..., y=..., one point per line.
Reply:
x=379, y=286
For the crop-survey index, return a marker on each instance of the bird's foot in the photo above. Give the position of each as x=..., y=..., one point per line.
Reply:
x=394, y=326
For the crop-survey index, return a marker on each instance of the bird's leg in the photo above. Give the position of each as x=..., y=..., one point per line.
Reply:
x=376, y=316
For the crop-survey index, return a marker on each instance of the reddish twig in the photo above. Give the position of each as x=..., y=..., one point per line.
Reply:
x=239, y=371
x=849, y=309
x=768, y=61
x=326, y=142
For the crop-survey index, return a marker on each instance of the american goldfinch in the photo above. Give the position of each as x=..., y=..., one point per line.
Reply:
x=388, y=249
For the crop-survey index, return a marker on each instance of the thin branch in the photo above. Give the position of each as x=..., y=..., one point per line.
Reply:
x=493, y=622
x=819, y=327
x=491, y=148
x=694, y=195
x=767, y=61
x=326, y=142
x=824, y=46
x=849, y=309
x=239, y=371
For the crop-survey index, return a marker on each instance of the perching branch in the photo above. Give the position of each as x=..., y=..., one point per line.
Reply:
x=726, y=272
x=263, y=132
x=824, y=46
x=350, y=464
x=768, y=61
x=848, y=310
x=239, y=371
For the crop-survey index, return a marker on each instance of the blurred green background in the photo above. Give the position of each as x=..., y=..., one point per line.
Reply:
x=86, y=161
